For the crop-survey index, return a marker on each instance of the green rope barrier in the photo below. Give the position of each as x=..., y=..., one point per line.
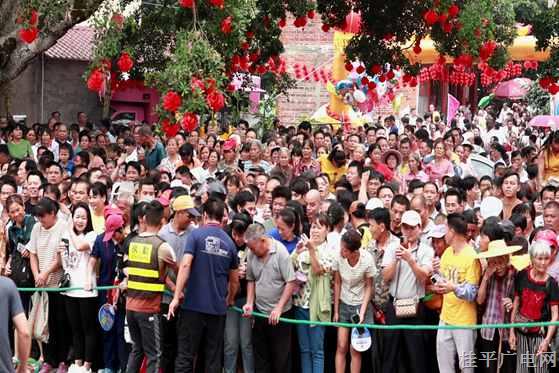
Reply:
x=405, y=326
x=54, y=290
x=341, y=324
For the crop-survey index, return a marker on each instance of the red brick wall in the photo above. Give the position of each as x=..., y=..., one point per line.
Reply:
x=313, y=47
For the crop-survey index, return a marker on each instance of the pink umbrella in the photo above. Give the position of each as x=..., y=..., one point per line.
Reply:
x=545, y=121
x=513, y=89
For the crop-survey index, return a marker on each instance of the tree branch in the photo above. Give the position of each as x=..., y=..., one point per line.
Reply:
x=17, y=58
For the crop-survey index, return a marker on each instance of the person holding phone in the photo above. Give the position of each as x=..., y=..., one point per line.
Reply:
x=353, y=288
x=405, y=269
x=81, y=305
x=313, y=262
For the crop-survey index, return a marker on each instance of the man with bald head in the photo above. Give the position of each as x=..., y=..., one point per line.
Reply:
x=419, y=204
x=312, y=200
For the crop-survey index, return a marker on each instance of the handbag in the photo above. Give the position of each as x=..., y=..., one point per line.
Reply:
x=21, y=274
x=406, y=307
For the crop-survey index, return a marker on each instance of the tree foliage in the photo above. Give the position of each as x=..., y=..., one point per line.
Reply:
x=53, y=19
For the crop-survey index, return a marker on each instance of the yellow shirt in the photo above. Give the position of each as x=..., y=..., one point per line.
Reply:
x=551, y=165
x=460, y=268
x=98, y=223
x=334, y=173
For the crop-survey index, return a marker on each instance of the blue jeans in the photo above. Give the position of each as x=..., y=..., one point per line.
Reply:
x=238, y=332
x=311, y=343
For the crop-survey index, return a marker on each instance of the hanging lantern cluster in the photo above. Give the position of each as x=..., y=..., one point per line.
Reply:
x=462, y=77
x=302, y=71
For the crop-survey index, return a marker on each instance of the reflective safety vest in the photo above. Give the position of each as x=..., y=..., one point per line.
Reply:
x=144, y=280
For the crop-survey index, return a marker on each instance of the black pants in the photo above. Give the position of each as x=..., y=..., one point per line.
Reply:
x=487, y=353
x=56, y=351
x=406, y=346
x=82, y=314
x=168, y=341
x=272, y=346
x=144, y=331
x=192, y=328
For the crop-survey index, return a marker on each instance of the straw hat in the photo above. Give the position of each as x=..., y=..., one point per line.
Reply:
x=498, y=248
x=392, y=153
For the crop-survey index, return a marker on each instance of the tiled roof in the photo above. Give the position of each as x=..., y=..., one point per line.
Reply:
x=75, y=45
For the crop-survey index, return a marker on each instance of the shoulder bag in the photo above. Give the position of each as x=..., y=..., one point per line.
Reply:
x=406, y=307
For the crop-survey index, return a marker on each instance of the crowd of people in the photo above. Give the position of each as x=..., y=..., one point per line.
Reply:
x=389, y=223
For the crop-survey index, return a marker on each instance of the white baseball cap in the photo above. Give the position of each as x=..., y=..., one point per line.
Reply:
x=411, y=218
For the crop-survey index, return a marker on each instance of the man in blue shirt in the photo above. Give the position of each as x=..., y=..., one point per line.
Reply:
x=208, y=273
x=155, y=151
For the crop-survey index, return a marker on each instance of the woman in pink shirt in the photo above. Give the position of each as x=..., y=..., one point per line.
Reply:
x=440, y=166
x=415, y=171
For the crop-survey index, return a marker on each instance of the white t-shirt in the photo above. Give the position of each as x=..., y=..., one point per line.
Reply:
x=75, y=263
x=353, y=278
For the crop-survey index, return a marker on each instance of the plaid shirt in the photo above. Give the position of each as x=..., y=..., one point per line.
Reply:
x=497, y=289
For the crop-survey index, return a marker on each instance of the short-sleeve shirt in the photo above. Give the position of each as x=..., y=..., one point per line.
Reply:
x=45, y=243
x=381, y=295
x=178, y=243
x=215, y=255
x=536, y=297
x=155, y=156
x=106, y=253
x=408, y=286
x=353, y=278
x=270, y=276
x=289, y=245
x=459, y=269
x=10, y=306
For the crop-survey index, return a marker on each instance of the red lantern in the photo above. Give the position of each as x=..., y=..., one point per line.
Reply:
x=453, y=10
x=282, y=22
x=217, y=3
x=442, y=18
x=546, y=81
x=360, y=69
x=417, y=49
x=189, y=121
x=376, y=69
x=349, y=66
x=325, y=27
x=447, y=27
x=95, y=80
x=125, y=62
x=431, y=17
x=215, y=100
x=170, y=129
x=29, y=35
x=227, y=25
x=186, y=3
x=390, y=75
x=553, y=89
x=310, y=14
x=172, y=101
